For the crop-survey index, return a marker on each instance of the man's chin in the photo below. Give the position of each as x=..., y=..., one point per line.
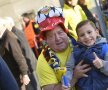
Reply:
x=60, y=49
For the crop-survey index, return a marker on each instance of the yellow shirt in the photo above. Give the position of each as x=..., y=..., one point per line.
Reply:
x=72, y=17
x=45, y=73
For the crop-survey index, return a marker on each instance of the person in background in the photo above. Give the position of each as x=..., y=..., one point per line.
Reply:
x=93, y=50
x=88, y=13
x=31, y=33
x=73, y=15
x=51, y=65
x=12, y=54
x=6, y=76
x=92, y=17
x=27, y=52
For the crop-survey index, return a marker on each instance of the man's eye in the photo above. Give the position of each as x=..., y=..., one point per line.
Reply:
x=61, y=32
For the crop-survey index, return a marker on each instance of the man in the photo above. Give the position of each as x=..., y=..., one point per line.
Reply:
x=12, y=54
x=27, y=52
x=57, y=49
x=73, y=15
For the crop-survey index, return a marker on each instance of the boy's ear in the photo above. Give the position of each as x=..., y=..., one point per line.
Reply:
x=97, y=31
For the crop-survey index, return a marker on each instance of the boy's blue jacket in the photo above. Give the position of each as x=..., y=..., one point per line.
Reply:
x=96, y=80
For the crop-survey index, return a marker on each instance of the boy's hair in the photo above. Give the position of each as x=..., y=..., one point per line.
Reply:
x=82, y=23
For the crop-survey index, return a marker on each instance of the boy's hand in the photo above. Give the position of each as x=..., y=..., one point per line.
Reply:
x=97, y=62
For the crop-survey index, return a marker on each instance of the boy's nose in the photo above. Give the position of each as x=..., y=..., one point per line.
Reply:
x=86, y=36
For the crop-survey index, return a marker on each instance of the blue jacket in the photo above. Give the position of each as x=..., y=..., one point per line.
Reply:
x=96, y=80
x=7, y=81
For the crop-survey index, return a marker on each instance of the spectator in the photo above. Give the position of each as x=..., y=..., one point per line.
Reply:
x=27, y=52
x=89, y=15
x=31, y=33
x=92, y=17
x=73, y=15
x=57, y=49
x=12, y=54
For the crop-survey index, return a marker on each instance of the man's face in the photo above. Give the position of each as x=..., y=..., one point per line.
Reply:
x=87, y=35
x=73, y=2
x=57, y=39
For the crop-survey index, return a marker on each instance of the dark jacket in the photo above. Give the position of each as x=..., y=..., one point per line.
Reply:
x=7, y=81
x=26, y=50
x=12, y=54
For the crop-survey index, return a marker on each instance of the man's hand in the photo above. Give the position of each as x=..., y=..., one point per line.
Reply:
x=80, y=70
x=25, y=79
x=97, y=62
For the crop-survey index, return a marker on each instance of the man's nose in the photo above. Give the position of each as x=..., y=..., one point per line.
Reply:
x=57, y=36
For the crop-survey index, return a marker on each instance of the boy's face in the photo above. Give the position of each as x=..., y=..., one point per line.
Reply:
x=57, y=39
x=87, y=35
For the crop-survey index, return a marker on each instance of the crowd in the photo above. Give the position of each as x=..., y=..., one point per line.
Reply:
x=62, y=49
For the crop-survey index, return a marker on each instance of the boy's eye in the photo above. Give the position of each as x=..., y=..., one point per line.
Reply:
x=81, y=35
x=89, y=32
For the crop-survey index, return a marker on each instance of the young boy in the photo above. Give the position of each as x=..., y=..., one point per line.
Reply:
x=92, y=49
